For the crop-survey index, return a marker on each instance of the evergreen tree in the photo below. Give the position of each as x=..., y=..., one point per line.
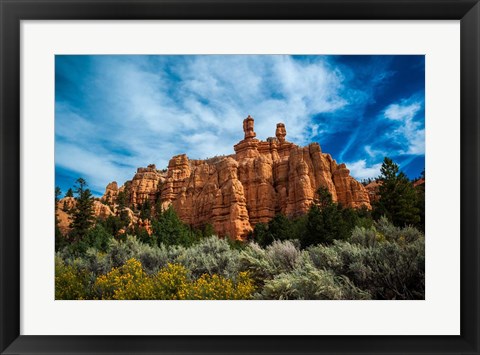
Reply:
x=112, y=224
x=145, y=210
x=142, y=235
x=157, y=209
x=168, y=229
x=326, y=221
x=69, y=193
x=82, y=214
x=98, y=238
x=122, y=200
x=208, y=230
x=202, y=231
x=261, y=235
x=398, y=199
x=108, y=198
x=280, y=228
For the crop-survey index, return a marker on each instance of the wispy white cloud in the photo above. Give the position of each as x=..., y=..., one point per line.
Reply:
x=409, y=131
x=98, y=169
x=375, y=153
x=350, y=141
x=402, y=112
x=361, y=170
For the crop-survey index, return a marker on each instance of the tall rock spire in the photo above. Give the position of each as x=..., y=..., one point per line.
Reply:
x=248, y=127
x=280, y=132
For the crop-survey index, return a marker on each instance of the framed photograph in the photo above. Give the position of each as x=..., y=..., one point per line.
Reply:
x=239, y=177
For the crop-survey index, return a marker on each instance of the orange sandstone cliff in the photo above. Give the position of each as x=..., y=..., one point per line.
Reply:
x=234, y=192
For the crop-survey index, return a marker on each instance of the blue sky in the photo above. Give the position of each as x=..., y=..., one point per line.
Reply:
x=116, y=113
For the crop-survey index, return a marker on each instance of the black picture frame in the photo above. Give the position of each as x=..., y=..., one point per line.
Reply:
x=12, y=12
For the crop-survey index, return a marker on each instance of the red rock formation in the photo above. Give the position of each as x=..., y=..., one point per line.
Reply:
x=419, y=182
x=145, y=224
x=261, y=179
x=66, y=205
x=64, y=209
x=111, y=192
x=145, y=185
x=64, y=219
x=101, y=210
x=373, y=190
x=349, y=191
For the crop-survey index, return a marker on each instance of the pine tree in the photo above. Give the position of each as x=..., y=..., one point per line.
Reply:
x=145, y=210
x=122, y=211
x=82, y=214
x=69, y=193
x=398, y=198
x=261, y=235
x=168, y=229
x=326, y=221
x=122, y=199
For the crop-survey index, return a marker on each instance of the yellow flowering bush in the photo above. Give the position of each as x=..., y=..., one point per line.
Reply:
x=171, y=283
x=128, y=282
x=70, y=284
x=215, y=287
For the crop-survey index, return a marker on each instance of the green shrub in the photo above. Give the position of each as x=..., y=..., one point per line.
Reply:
x=265, y=264
x=366, y=237
x=388, y=266
x=153, y=258
x=121, y=251
x=391, y=233
x=305, y=282
x=95, y=261
x=212, y=255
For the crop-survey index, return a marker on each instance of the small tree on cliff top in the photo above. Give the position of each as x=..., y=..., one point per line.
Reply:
x=69, y=193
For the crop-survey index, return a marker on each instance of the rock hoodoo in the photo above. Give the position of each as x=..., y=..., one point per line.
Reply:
x=235, y=192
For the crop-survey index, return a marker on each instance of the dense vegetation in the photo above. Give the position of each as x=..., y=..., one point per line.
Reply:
x=331, y=252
